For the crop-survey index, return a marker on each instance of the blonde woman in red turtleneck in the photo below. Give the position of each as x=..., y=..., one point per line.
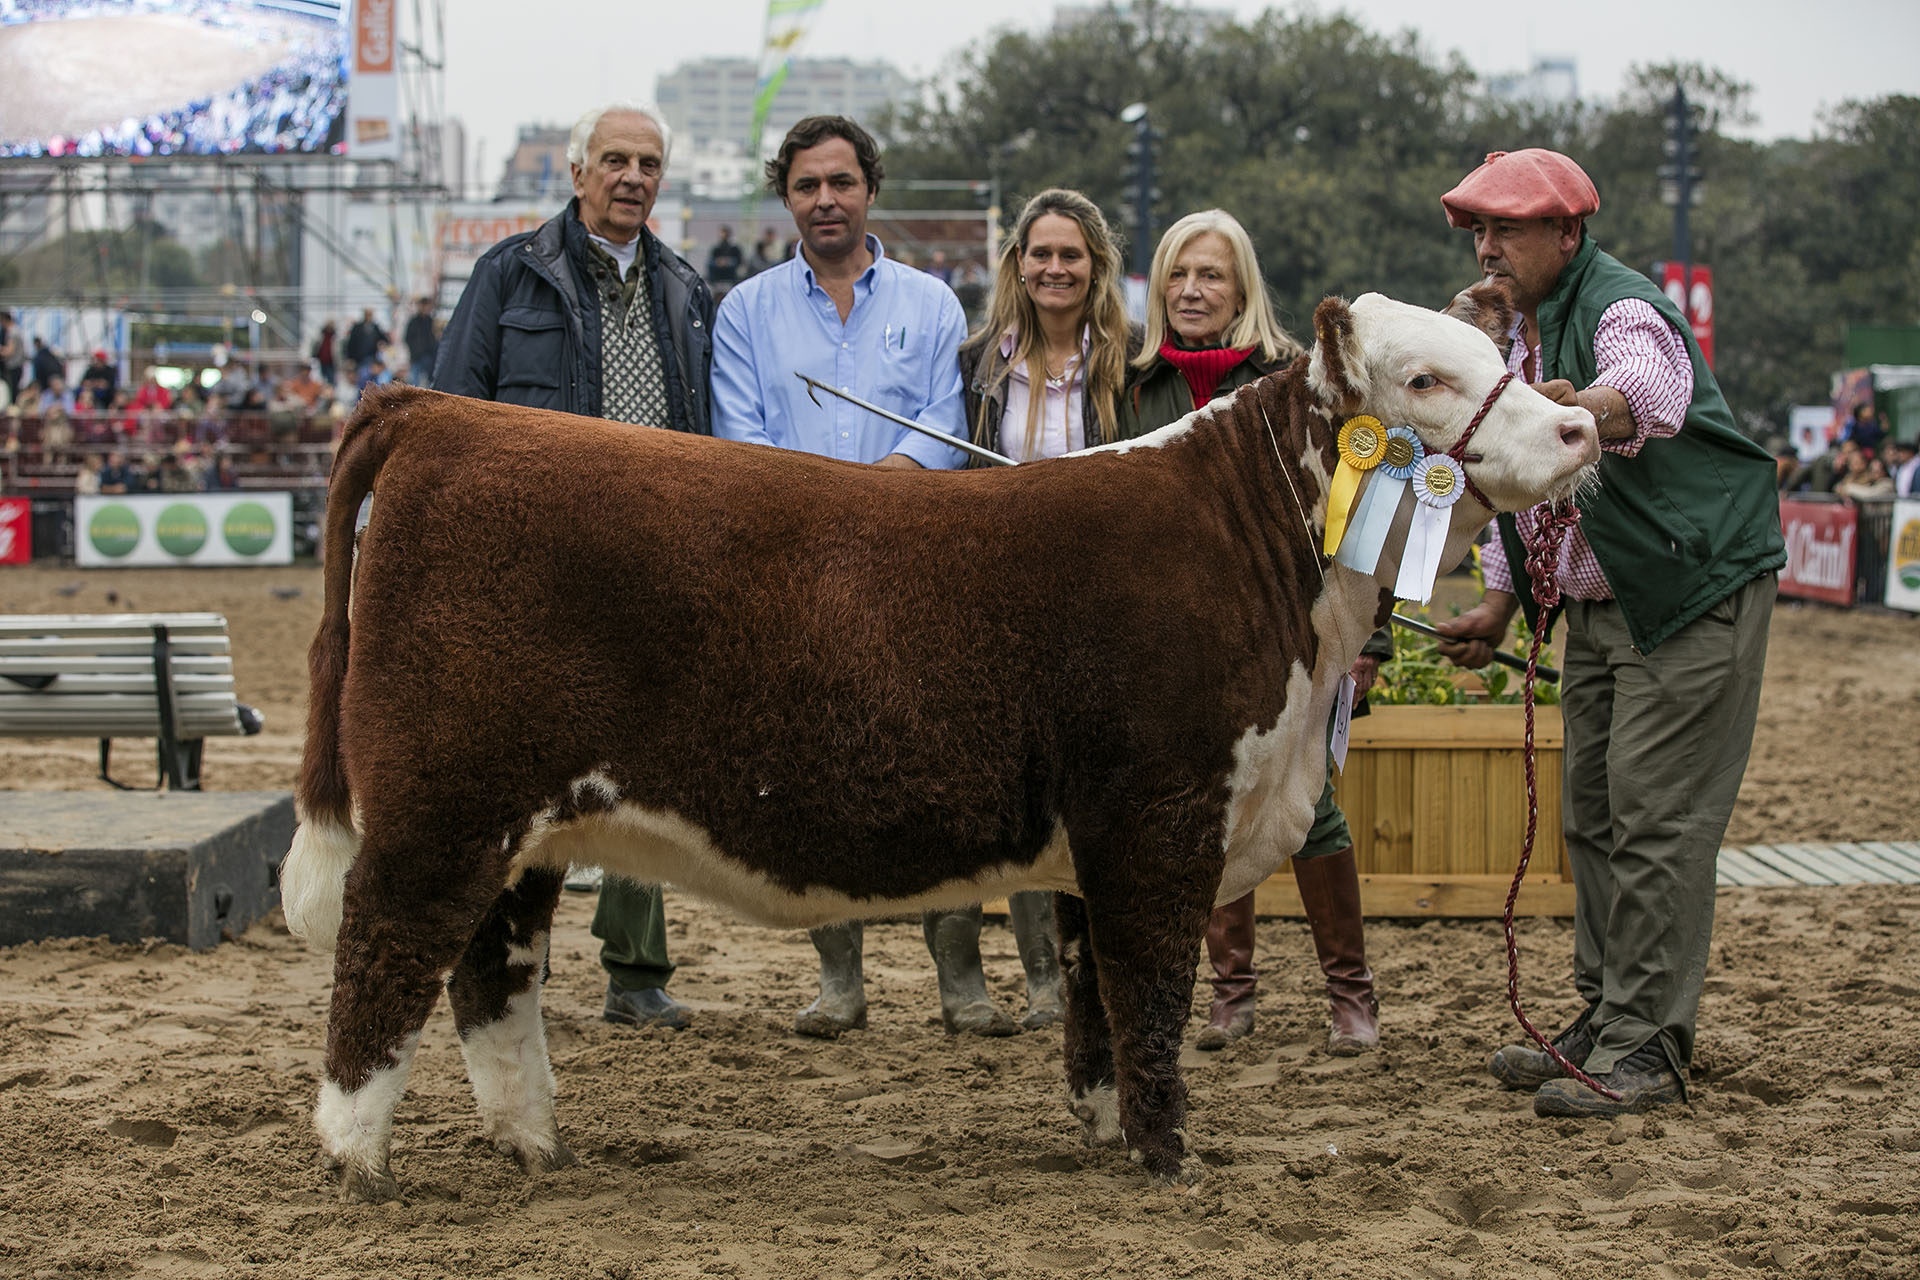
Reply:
x=1210, y=327
x=1211, y=330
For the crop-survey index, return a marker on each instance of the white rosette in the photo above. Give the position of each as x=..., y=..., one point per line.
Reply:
x=1373, y=520
x=1437, y=485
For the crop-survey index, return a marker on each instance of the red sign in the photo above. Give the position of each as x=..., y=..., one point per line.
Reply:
x=1820, y=550
x=471, y=237
x=1695, y=299
x=16, y=531
x=373, y=36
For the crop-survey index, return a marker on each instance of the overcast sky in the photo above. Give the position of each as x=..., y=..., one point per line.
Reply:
x=510, y=63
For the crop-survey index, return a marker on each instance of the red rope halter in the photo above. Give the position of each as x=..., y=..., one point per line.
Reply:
x=1459, y=451
x=1542, y=563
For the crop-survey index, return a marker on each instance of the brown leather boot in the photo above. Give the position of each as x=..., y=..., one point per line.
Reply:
x=1330, y=891
x=1230, y=949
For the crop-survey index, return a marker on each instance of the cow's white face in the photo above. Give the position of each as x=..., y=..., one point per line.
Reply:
x=1405, y=364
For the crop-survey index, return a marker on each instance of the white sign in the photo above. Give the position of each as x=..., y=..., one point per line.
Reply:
x=1809, y=427
x=113, y=531
x=1903, y=556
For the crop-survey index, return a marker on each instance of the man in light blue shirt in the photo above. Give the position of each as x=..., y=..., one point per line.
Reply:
x=843, y=312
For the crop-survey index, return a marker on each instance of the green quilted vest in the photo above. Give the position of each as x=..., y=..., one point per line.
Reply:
x=1681, y=525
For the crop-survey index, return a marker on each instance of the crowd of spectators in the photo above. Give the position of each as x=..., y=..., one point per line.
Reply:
x=1860, y=465
x=277, y=420
x=295, y=106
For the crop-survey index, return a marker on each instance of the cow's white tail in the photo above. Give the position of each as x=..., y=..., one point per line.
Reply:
x=313, y=880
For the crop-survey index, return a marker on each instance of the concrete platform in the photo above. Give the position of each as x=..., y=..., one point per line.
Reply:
x=183, y=866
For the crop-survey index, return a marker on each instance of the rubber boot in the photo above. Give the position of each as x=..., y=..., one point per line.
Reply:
x=953, y=938
x=1330, y=891
x=1230, y=949
x=842, y=1003
x=1038, y=940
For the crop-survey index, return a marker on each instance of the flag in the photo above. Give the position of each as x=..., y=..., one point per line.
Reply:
x=787, y=23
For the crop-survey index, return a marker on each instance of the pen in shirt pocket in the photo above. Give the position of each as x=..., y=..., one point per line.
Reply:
x=886, y=339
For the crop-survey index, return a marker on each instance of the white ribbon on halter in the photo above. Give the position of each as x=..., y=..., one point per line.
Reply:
x=1437, y=484
x=1372, y=520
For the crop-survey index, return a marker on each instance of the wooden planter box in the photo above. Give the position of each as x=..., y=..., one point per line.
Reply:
x=1437, y=799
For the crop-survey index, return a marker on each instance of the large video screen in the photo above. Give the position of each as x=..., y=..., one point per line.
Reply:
x=100, y=78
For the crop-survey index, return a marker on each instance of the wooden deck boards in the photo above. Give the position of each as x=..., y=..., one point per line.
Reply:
x=1844, y=862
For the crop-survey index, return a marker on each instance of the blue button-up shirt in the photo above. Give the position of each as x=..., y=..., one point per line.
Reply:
x=899, y=349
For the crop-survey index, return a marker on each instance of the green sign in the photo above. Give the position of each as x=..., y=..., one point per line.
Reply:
x=114, y=530
x=248, y=529
x=181, y=529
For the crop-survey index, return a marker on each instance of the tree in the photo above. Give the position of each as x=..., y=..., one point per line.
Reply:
x=1332, y=144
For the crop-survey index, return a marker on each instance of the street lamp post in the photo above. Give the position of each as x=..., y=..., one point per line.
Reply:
x=1145, y=192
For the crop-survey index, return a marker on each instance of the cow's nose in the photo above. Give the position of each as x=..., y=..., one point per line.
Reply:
x=1581, y=438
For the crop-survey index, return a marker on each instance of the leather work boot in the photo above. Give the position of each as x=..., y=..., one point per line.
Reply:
x=953, y=937
x=1644, y=1079
x=1528, y=1066
x=643, y=1007
x=1034, y=933
x=842, y=1003
x=1330, y=890
x=1230, y=950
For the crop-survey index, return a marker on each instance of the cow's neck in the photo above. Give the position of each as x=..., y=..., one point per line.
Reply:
x=1278, y=444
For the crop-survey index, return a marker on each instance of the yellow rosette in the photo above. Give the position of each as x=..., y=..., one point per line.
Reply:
x=1362, y=442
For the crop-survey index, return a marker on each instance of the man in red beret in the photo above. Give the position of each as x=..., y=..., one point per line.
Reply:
x=1667, y=586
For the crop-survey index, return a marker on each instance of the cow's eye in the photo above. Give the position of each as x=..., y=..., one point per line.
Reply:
x=1423, y=382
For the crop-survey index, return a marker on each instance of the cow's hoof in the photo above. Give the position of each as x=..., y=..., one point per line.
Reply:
x=1167, y=1169
x=1098, y=1111
x=1185, y=1176
x=980, y=1018
x=361, y=1185
x=545, y=1158
x=827, y=1022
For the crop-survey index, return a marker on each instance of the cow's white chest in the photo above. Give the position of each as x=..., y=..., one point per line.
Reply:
x=1280, y=771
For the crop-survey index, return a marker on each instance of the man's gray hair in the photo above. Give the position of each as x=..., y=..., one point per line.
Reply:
x=583, y=129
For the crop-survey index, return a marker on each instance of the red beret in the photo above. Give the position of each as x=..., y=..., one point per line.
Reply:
x=1534, y=183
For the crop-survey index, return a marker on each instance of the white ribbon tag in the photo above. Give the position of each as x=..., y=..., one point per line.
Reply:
x=1373, y=520
x=1342, y=722
x=1437, y=483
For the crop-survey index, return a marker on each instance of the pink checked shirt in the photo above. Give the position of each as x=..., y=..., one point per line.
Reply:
x=1642, y=357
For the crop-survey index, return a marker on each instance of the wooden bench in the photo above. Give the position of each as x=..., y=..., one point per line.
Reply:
x=167, y=676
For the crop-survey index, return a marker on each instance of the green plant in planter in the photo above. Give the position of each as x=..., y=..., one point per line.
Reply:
x=1417, y=675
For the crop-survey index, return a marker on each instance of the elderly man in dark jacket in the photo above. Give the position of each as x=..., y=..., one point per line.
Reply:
x=557, y=318
x=592, y=314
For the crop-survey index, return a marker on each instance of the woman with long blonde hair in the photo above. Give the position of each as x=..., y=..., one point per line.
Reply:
x=1042, y=376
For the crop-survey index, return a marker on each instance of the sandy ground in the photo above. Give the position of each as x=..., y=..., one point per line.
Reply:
x=155, y=1104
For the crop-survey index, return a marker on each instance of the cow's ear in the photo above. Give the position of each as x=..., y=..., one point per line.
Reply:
x=1487, y=307
x=1337, y=373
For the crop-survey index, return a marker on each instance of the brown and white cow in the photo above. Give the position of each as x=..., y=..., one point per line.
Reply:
x=815, y=690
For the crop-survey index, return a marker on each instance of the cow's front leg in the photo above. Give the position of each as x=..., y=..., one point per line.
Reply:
x=397, y=944
x=1090, y=1092
x=1146, y=938
x=495, y=993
